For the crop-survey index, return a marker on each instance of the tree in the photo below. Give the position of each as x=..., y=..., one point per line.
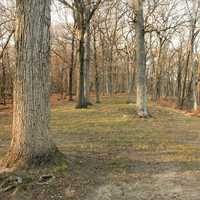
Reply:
x=194, y=66
x=83, y=13
x=31, y=143
x=141, y=60
x=71, y=70
x=97, y=81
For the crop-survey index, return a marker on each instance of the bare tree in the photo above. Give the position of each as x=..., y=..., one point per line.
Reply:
x=31, y=143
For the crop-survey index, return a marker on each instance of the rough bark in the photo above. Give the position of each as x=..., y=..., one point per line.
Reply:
x=31, y=143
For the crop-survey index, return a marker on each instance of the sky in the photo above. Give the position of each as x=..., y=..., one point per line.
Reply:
x=60, y=14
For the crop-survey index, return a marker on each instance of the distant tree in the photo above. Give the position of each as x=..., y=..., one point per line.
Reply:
x=96, y=67
x=83, y=13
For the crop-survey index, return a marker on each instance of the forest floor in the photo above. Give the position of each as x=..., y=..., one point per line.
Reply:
x=114, y=155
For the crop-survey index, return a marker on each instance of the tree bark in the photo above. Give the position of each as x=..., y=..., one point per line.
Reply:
x=31, y=144
x=141, y=60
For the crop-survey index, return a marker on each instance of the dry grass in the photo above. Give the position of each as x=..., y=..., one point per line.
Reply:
x=108, y=144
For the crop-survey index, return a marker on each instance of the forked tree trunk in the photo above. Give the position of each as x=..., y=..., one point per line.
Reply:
x=31, y=143
x=141, y=60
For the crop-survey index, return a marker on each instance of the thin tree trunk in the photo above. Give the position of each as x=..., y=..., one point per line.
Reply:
x=71, y=69
x=110, y=72
x=185, y=80
x=3, y=86
x=97, y=83
x=130, y=75
x=179, y=77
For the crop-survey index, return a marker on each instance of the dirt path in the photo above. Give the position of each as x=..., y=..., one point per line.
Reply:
x=166, y=186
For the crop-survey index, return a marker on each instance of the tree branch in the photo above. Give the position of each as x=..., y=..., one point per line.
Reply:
x=6, y=44
x=95, y=7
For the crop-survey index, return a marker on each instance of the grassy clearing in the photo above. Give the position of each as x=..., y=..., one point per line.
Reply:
x=108, y=143
x=114, y=125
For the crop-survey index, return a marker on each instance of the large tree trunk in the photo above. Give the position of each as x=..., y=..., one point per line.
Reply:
x=141, y=60
x=81, y=99
x=31, y=143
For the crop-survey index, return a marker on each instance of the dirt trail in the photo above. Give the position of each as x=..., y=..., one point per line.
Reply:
x=166, y=186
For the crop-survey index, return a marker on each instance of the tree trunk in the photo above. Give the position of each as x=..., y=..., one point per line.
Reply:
x=31, y=144
x=130, y=80
x=192, y=59
x=3, y=86
x=194, y=85
x=185, y=79
x=87, y=64
x=110, y=72
x=141, y=61
x=71, y=69
x=97, y=83
x=179, y=77
x=81, y=89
